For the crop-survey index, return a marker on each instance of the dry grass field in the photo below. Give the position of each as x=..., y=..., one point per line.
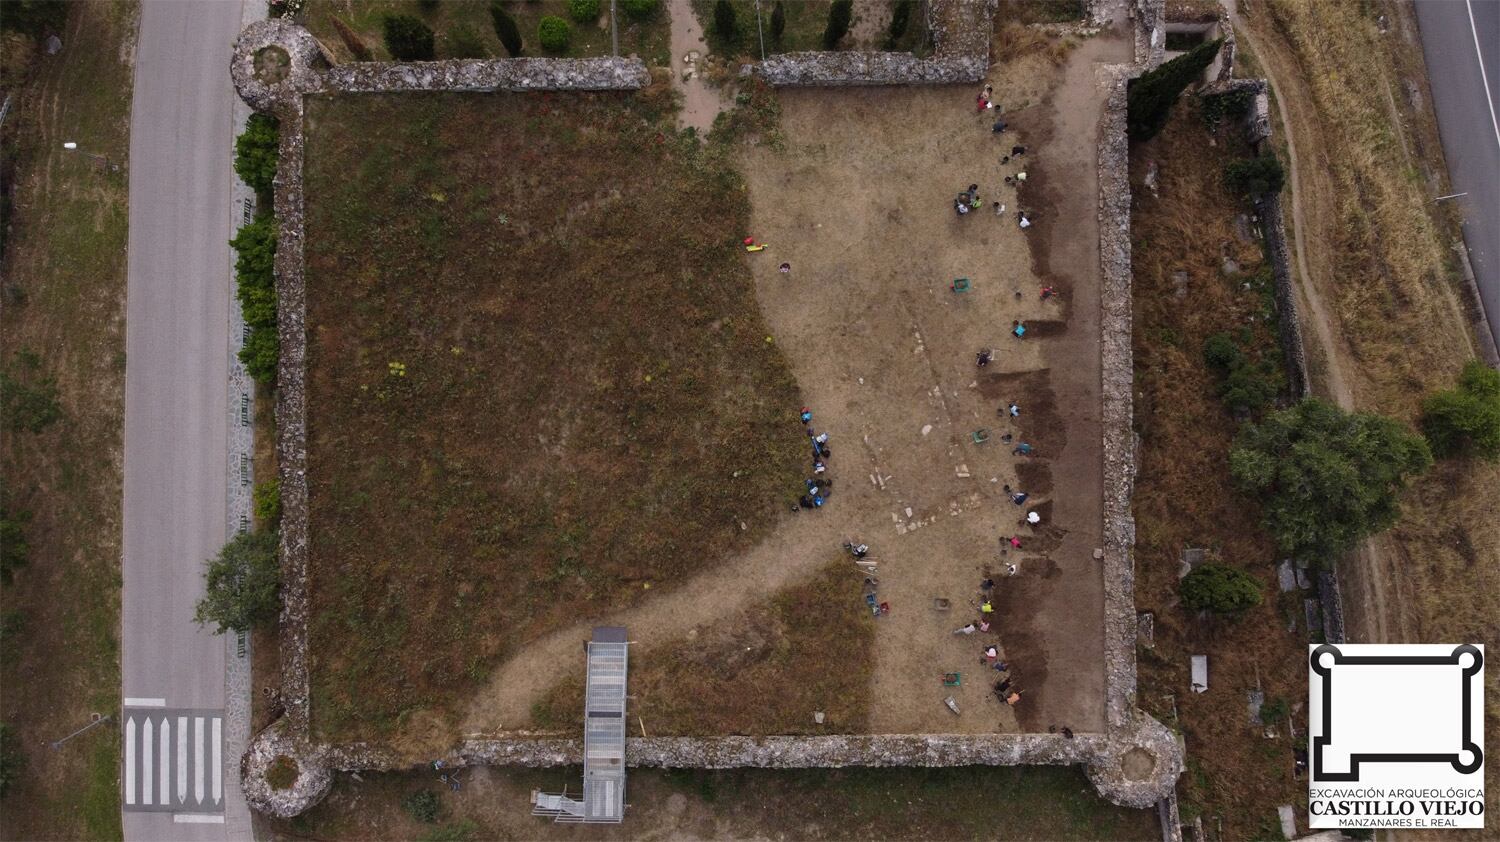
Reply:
x=1382, y=254
x=1183, y=497
x=64, y=300
x=539, y=385
x=760, y=669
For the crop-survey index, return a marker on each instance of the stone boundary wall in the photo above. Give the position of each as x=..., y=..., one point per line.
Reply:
x=1117, y=381
x=960, y=31
x=1153, y=752
x=1273, y=223
x=1102, y=753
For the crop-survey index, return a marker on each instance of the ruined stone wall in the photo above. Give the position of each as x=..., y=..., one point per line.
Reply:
x=1117, y=377
x=961, y=31
x=1273, y=223
x=1150, y=17
x=961, y=39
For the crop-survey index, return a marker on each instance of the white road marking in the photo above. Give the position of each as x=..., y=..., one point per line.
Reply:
x=133, y=702
x=147, y=743
x=182, y=759
x=198, y=755
x=164, y=795
x=218, y=763
x=198, y=818
x=1484, y=77
x=130, y=760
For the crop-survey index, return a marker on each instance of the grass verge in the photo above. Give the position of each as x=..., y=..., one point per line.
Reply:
x=1038, y=802
x=1183, y=495
x=64, y=274
x=539, y=384
x=763, y=670
x=1392, y=276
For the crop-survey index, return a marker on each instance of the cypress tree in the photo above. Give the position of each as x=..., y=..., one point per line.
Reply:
x=506, y=29
x=1152, y=95
x=725, y=25
x=839, y=15
x=778, y=21
x=900, y=19
x=409, y=39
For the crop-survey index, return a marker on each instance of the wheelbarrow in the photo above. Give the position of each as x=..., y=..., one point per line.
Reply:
x=981, y=435
x=960, y=285
x=953, y=679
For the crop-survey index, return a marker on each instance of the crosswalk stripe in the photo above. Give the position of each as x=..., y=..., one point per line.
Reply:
x=148, y=740
x=198, y=753
x=150, y=766
x=182, y=758
x=130, y=760
x=217, y=767
x=164, y=780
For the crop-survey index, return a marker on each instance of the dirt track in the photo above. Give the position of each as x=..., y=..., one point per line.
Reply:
x=860, y=204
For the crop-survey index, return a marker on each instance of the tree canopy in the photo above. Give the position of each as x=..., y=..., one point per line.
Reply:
x=1325, y=478
x=244, y=583
x=255, y=153
x=408, y=39
x=1465, y=420
x=1152, y=95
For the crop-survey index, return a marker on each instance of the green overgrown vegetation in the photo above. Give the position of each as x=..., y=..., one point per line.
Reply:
x=1257, y=176
x=553, y=33
x=14, y=551
x=243, y=584
x=422, y=805
x=12, y=759
x=1465, y=421
x=255, y=154
x=583, y=11
x=268, y=501
x=1220, y=589
x=1326, y=478
x=508, y=435
x=28, y=397
x=1153, y=93
x=255, y=286
x=1246, y=385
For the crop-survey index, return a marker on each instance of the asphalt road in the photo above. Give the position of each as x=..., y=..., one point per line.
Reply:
x=176, y=376
x=1461, y=41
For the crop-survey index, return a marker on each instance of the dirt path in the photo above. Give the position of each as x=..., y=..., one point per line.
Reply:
x=1367, y=582
x=701, y=102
